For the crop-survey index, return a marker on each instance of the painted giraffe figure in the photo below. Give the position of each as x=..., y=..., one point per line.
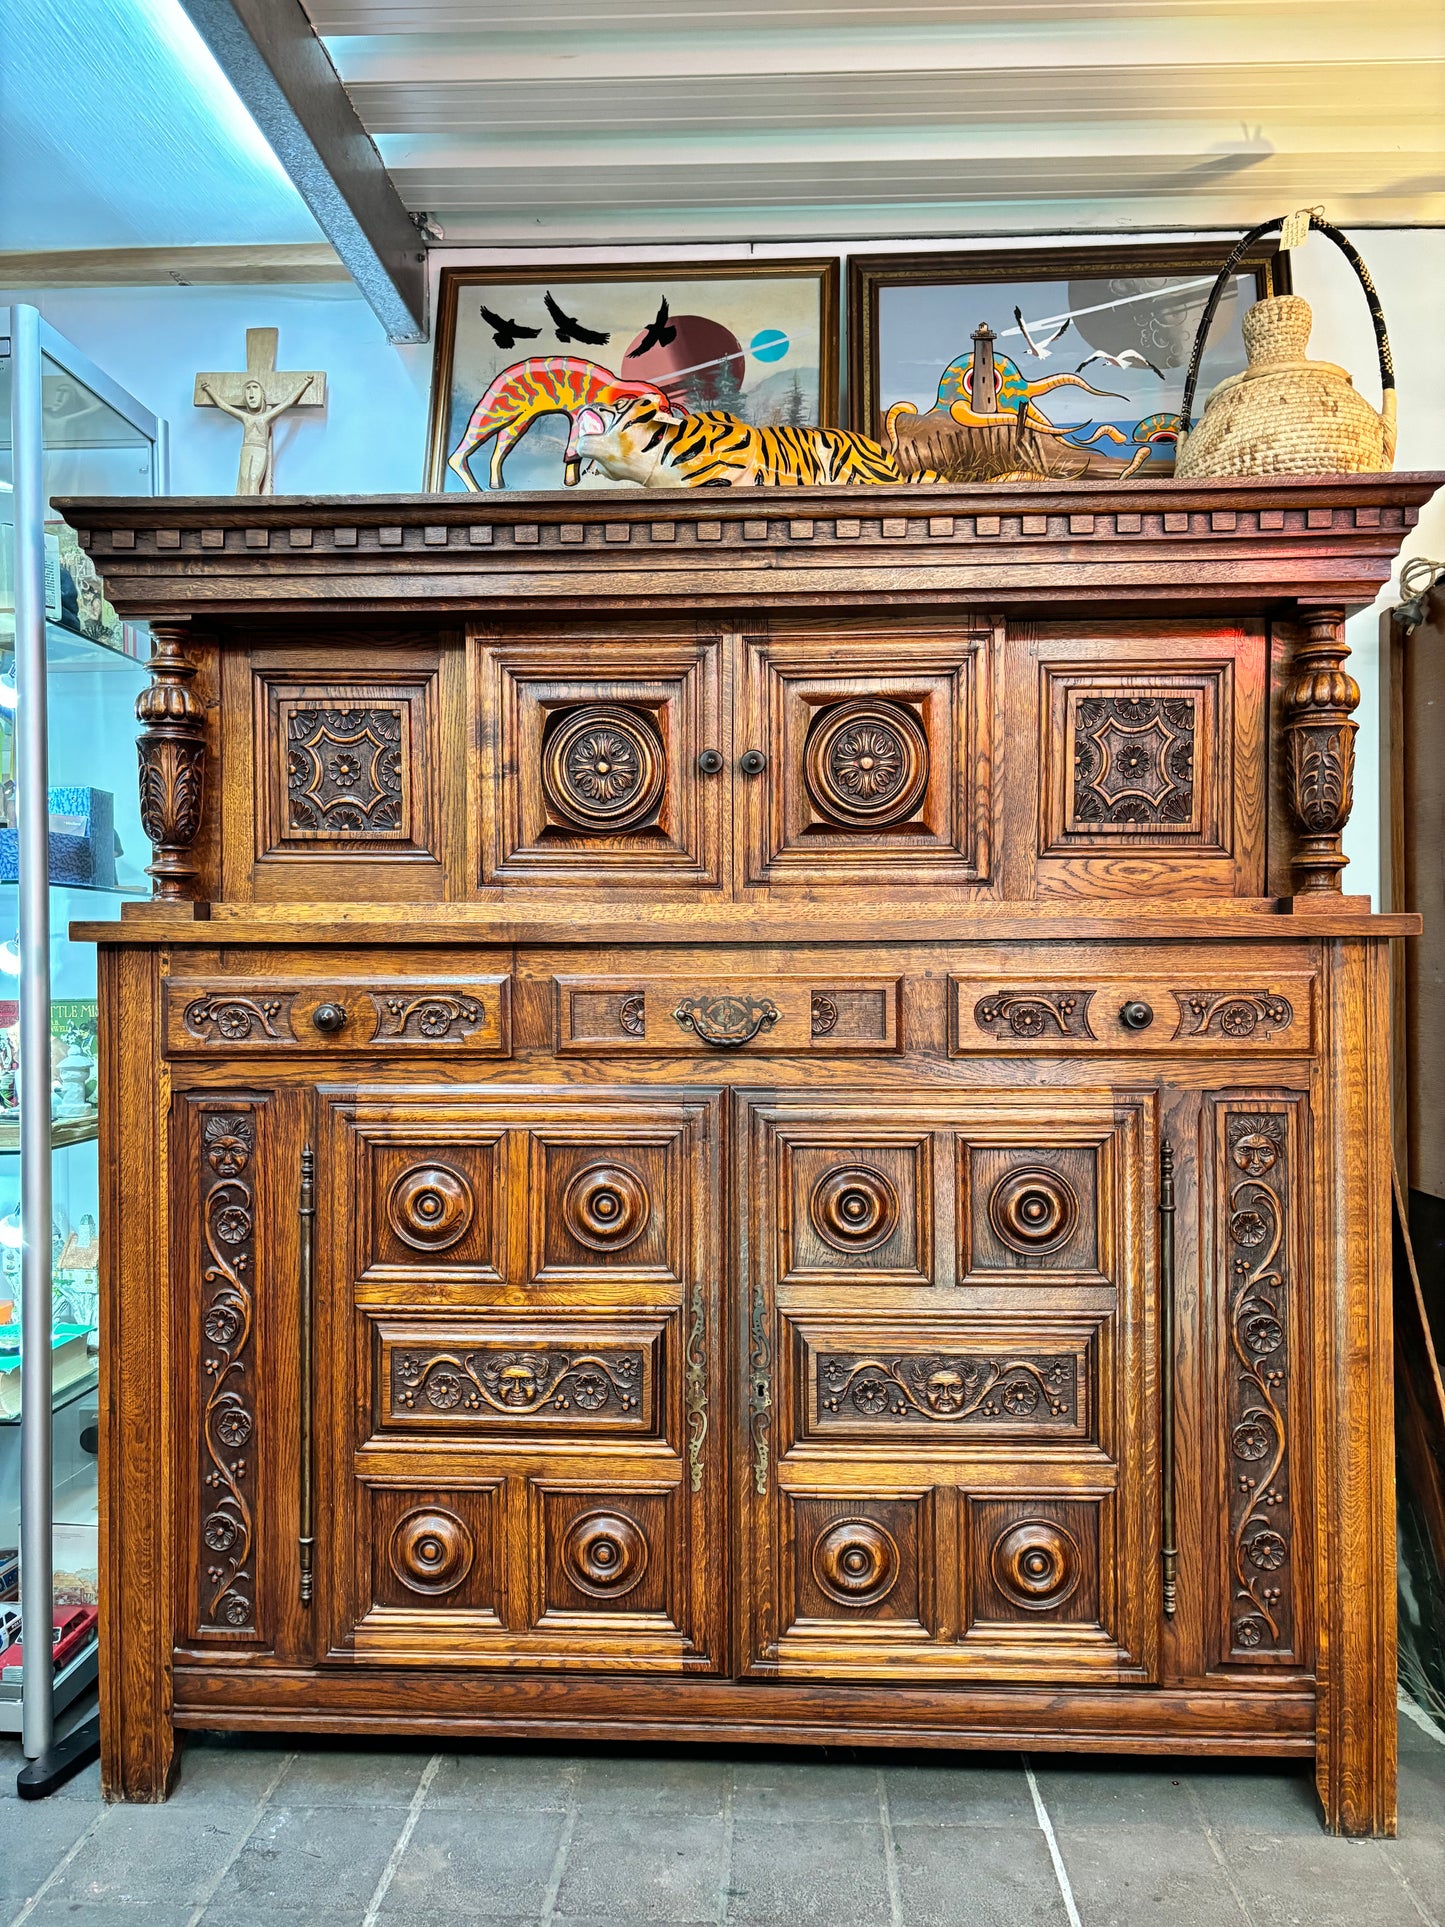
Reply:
x=522, y=394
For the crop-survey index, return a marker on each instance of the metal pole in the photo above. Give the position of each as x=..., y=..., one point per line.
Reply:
x=37, y=1578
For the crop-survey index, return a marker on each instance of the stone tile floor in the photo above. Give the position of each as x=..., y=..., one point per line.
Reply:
x=341, y=1836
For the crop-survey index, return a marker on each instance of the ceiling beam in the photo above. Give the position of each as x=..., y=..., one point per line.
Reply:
x=268, y=52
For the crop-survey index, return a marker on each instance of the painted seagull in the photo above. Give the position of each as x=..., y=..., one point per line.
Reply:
x=1038, y=349
x=1130, y=358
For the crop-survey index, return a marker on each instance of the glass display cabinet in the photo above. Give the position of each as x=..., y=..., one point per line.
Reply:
x=71, y=846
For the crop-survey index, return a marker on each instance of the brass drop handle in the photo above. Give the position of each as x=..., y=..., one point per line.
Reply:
x=1136, y=1016
x=726, y=1023
x=329, y=1018
x=710, y=761
x=752, y=762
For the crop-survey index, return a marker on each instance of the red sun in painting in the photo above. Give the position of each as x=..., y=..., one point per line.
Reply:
x=701, y=367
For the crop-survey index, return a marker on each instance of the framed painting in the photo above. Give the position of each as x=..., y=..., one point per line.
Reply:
x=1057, y=364
x=522, y=353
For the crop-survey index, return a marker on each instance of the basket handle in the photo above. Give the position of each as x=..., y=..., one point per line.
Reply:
x=1377, y=317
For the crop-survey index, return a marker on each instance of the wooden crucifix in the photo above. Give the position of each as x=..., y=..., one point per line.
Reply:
x=256, y=398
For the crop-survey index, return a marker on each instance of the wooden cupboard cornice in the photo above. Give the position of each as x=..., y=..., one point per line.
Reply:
x=1230, y=544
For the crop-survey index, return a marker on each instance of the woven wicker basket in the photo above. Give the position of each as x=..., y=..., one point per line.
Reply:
x=1286, y=414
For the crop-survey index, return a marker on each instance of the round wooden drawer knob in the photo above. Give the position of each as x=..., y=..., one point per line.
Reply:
x=329, y=1018
x=1136, y=1016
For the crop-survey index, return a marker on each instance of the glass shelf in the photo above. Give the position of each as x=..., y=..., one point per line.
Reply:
x=63, y=1132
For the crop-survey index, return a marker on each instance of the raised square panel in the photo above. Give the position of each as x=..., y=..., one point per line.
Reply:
x=861, y=1560
x=464, y=1378
x=604, y=1204
x=346, y=766
x=963, y=1383
x=1029, y=1208
x=607, y=1552
x=1032, y=1562
x=431, y=1200
x=858, y=1211
x=592, y=774
x=868, y=773
x=434, y=1550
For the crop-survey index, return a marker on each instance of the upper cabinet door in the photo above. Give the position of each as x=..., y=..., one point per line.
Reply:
x=865, y=754
x=599, y=759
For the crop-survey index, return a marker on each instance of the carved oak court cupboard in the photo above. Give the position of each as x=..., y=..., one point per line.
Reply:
x=755, y=1118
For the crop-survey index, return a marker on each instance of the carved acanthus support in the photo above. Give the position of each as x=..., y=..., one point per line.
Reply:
x=1320, y=736
x=172, y=752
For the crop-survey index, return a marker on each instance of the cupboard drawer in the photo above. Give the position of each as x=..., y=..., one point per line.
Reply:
x=203, y=1016
x=1271, y=1013
x=680, y=1016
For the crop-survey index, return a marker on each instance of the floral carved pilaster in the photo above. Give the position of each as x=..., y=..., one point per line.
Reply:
x=1320, y=745
x=172, y=752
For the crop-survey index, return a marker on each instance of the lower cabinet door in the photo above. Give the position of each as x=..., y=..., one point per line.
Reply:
x=949, y=1465
x=519, y=1306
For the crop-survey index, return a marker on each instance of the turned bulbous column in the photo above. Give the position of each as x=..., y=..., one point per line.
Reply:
x=172, y=753
x=1320, y=744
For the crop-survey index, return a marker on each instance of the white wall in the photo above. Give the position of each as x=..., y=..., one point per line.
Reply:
x=371, y=437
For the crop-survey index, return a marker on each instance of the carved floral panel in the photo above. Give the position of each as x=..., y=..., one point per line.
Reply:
x=345, y=771
x=1134, y=762
x=227, y=1369
x=935, y=1393
x=525, y=1382
x=1256, y=1206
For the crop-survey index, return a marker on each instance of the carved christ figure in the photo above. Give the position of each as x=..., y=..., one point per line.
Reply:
x=256, y=419
x=255, y=397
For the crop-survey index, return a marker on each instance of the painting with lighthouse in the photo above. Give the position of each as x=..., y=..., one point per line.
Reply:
x=521, y=353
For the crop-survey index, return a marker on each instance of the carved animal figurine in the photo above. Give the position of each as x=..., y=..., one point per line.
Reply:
x=522, y=394
x=646, y=443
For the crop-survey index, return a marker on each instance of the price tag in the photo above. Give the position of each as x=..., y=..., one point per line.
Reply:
x=1296, y=228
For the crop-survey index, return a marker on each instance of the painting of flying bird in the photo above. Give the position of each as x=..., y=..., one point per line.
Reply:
x=1129, y=358
x=1040, y=349
x=506, y=334
x=570, y=329
x=660, y=333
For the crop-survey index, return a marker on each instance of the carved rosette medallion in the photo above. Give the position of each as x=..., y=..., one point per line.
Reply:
x=948, y=1389
x=1134, y=762
x=824, y=1014
x=1237, y=1014
x=1035, y=1016
x=431, y=1551
x=227, y=1592
x=856, y=1562
x=344, y=773
x=632, y=1015
x=606, y=1207
x=866, y=764
x=1255, y=1240
x=604, y=1554
x=171, y=750
x=430, y=1207
x=853, y=1208
x=1033, y=1211
x=517, y=1384
x=1036, y=1564
x=603, y=769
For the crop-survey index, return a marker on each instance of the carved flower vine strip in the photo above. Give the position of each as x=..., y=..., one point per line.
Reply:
x=228, y=1422
x=1258, y=1437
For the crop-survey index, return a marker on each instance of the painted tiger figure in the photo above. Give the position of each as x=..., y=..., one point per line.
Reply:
x=645, y=443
